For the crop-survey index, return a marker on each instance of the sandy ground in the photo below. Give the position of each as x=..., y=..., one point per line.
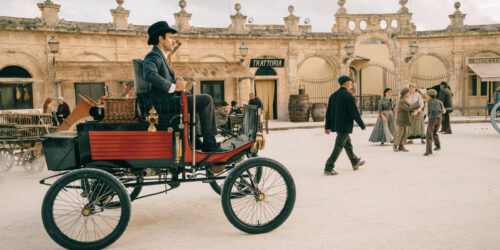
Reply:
x=450, y=200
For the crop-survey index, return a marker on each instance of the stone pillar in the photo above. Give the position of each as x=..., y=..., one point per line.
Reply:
x=341, y=19
x=120, y=16
x=182, y=18
x=292, y=22
x=238, y=21
x=50, y=12
x=457, y=19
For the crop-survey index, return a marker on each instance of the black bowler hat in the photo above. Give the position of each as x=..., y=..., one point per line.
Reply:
x=159, y=28
x=344, y=79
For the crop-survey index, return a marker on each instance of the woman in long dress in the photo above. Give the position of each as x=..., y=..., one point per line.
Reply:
x=385, y=126
x=417, y=128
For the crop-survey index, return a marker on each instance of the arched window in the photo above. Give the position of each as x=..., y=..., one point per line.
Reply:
x=15, y=95
x=14, y=72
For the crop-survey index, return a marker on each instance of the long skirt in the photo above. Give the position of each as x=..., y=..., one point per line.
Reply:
x=384, y=131
x=417, y=127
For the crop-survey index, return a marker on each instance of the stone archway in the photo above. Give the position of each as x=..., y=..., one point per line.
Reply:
x=427, y=70
x=318, y=77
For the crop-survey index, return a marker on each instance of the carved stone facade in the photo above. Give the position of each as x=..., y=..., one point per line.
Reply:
x=102, y=52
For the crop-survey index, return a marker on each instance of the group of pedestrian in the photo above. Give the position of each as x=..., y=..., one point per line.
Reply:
x=398, y=124
x=60, y=113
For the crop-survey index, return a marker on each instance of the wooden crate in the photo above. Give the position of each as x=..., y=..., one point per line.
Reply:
x=119, y=108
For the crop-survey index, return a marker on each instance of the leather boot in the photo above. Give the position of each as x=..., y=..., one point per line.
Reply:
x=402, y=148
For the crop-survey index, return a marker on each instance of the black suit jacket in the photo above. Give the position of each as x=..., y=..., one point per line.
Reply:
x=341, y=112
x=157, y=72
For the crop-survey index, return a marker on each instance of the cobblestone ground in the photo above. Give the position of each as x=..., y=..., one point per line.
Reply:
x=396, y=201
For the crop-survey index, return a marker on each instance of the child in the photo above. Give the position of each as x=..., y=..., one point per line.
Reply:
x=403, y=120
x=435, y=111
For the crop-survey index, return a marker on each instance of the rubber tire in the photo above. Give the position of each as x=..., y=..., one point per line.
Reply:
x=233, y=176
x=48, y=202
x=493, y=116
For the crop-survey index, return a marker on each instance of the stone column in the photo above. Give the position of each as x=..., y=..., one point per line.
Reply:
x=238, y=21
x=457, y=19
x=292, y=22
x=50, y=12
x=120, y=16
x=182, y=18
x=341, y=19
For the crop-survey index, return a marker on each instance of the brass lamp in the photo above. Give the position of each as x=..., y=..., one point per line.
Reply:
x=152, y=118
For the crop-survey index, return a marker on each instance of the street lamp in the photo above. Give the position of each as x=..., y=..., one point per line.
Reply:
x=53, y=47
x=413, y=51
x=243, y=51
x=349, y=50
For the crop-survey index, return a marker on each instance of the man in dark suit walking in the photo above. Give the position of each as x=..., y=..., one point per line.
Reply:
x=163, y=82
x=339, y=118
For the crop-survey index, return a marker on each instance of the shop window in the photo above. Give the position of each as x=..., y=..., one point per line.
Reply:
x=473, y=86
x=215, y=89
x=484, y=88
x=16, y=96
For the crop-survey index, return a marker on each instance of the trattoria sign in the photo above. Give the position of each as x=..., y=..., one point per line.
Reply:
x=267, y=62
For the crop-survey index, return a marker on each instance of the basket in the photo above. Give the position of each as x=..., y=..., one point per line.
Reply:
x=119, y=108
x=9, y=133
x=25, y=119
x=34, y=131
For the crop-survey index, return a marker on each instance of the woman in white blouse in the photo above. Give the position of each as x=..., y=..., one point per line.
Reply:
x=417, y=128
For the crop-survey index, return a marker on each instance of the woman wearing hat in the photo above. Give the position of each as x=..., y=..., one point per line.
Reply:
x=163, y=82
x=221, y=115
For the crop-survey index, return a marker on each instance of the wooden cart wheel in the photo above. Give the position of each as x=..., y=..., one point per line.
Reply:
x=7, y=159
x=85, y=216
x=267, y=202
x=32, y=160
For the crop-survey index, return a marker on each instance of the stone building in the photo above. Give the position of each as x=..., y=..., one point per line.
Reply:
x=378, y=50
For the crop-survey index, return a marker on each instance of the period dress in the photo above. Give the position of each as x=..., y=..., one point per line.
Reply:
x=384, y=131
x=417, y=127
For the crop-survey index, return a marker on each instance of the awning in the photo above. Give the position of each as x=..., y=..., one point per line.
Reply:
x=487, y=71
x=210, y=70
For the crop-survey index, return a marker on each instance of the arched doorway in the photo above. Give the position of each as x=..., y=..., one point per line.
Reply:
x=16, y=90
x=267, y=90
x=374, y=72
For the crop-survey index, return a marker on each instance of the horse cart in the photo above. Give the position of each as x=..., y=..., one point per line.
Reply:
x=20, y=140
x=106, y=163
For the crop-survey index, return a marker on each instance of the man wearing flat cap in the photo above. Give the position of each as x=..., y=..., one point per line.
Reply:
x=340, y=114
x=163, y=82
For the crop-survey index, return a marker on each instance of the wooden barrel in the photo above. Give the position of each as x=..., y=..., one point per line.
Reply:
x=299, y=108
x=318, y=112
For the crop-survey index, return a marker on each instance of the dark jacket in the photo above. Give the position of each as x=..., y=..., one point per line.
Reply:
x=235, y=111
x=341, y=112
x=157, y=72
x=63, y=110
x=257, y=102
x=404, y=109
x=446, y=97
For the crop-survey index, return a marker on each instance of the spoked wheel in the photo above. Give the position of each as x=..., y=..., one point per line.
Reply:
x=6, y=159
x=85, y=216
x=32, y=161
x=262, y=204
x=495, y=117
x=217, y=185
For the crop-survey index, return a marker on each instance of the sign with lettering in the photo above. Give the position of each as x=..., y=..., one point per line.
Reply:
x=267, y=62
x=484, y=60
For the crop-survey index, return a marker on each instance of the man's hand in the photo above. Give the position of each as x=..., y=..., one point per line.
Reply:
x=180, y=85
x=327, y=131
x=384, y=118
x=415, y=112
